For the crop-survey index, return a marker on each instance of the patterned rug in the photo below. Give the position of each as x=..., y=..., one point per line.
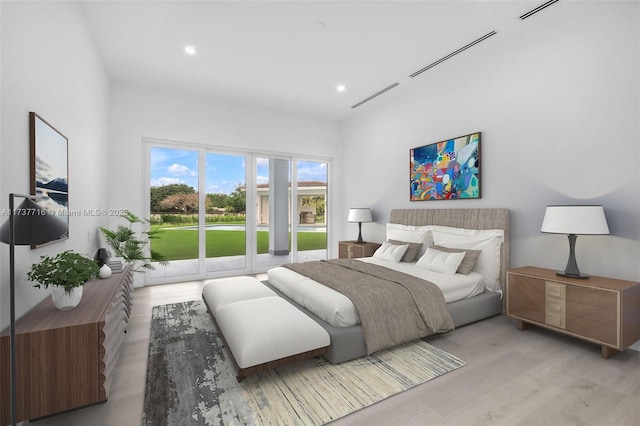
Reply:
x=191, y=379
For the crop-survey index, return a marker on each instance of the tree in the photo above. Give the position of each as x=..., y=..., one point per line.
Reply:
x=237, y=201
x=218, y=200
x=317, y=201
x=183, y=203
x=159, y=193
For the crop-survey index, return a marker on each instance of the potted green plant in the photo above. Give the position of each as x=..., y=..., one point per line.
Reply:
x=66, y=272
x=130, y=246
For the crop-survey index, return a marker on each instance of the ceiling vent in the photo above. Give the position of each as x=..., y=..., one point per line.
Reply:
x=451, y=55
x=538, y=9
x=375, y=95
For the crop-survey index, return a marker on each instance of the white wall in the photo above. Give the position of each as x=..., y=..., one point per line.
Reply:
x=138, y=113
x=556, y=98
x=49, y=66
x=557, y=101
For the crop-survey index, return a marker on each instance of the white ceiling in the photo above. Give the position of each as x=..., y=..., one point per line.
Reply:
x=289, y=55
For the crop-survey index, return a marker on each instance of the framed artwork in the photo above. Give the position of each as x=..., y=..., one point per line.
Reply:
x=49, y=168
x=446, y=170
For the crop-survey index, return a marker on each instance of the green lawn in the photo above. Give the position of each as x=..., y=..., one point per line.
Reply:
x=176, y=244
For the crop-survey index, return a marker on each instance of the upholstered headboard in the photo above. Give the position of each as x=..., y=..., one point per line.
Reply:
x=463, y=218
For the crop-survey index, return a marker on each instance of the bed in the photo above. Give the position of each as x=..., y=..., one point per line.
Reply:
x=471, y=297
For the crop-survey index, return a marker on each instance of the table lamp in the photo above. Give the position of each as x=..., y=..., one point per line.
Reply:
x=359, y=215
x=574, y=221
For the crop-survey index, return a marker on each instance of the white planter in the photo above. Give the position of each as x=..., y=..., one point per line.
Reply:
x=65, y=301
x=105, y=271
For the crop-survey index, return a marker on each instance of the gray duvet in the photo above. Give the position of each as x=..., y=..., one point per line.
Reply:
x=394, y=307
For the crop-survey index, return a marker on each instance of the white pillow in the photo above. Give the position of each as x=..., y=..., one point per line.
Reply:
x=440, y=261
x=487, y=241
x=391, y=252
x=410, y=234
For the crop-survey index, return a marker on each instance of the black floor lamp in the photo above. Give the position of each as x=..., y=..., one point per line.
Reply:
x=28, y=224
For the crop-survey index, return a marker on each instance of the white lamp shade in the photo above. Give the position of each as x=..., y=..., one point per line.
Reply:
x=360, y=215
x=578, y=220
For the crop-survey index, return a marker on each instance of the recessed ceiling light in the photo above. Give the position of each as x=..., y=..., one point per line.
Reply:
x=190, y=49
x=341, y=88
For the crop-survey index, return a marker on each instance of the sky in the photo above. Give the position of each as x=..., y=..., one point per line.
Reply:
x=51, y=147
x=224, y=172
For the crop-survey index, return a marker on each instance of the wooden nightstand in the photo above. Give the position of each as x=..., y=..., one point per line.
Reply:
x=605, y=311
x=354, y=250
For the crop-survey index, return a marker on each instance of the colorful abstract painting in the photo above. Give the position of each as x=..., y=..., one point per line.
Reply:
x=446, y=170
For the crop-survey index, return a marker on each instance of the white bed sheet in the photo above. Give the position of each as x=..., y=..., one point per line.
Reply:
x=339, y=311
x=330, y=305
x=454, y=287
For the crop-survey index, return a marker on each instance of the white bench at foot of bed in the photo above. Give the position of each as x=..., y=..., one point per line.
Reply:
x=261, y=329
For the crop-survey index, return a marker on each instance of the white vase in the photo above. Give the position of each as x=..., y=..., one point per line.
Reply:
x=105, y=271
x=65, y=301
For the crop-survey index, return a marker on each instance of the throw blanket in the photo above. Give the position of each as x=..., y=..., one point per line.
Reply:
x=394, y=307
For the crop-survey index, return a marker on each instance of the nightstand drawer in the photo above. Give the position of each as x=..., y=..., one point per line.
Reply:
x=555, y=320
x=555, y=290
x=594, y=313
x=555, y=304
x=526, y=298
x=355, y=250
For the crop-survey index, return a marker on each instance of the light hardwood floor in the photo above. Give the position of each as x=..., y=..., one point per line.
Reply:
x=533, y=377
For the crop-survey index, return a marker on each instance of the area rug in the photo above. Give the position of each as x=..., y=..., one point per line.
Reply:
x=191, y=379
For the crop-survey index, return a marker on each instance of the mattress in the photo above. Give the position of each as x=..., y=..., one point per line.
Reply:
x=336, y=309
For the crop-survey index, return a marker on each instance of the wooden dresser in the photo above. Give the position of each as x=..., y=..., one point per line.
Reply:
x=64, y=359
x=602, y=310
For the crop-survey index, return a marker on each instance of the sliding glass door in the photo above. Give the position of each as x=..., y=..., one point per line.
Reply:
x=311, y=232
x=175, y=210
x=292, y=221
x=274, y=212
x=212, y=223
x=226, y=213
